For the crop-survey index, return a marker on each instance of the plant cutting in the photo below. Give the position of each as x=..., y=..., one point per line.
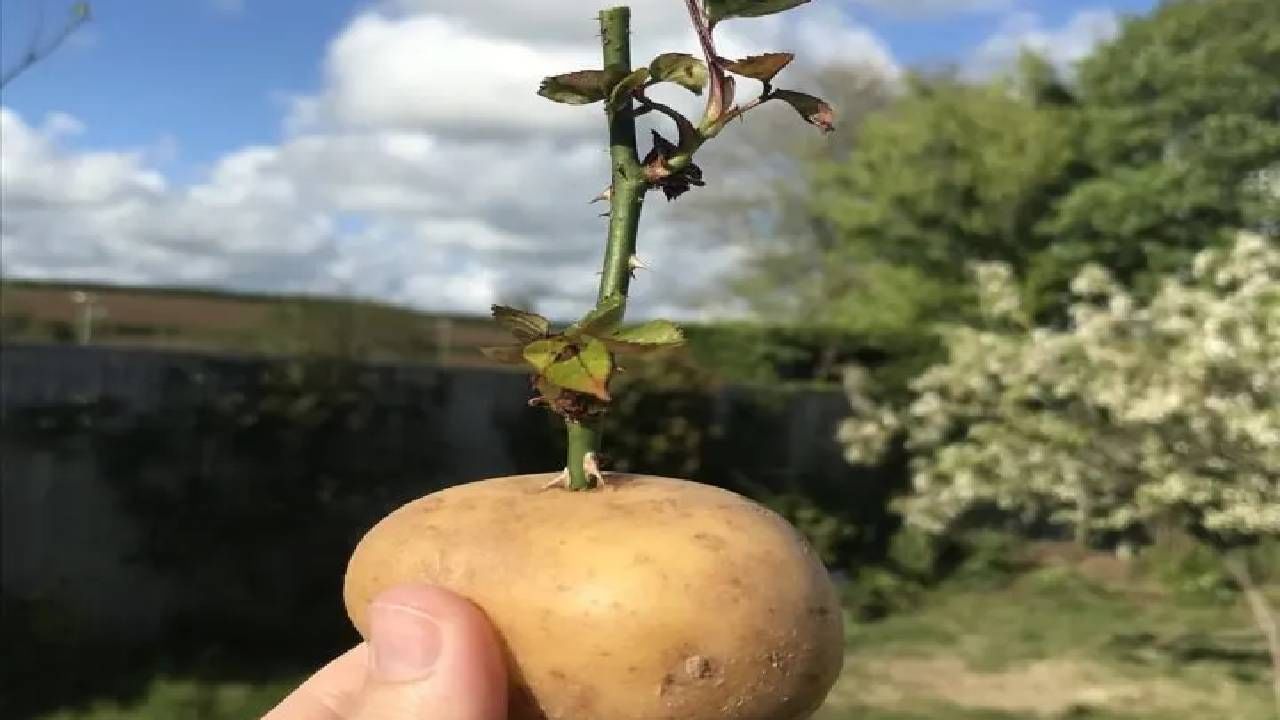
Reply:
x=617, y=596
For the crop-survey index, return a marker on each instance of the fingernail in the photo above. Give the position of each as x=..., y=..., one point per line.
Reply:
x=405, y=642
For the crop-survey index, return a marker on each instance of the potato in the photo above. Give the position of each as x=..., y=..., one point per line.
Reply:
x=651, y=598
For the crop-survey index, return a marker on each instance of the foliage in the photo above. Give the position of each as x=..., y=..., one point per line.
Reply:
x=1178, y=127
x=1163, y=143
x=949, y=173
x=876, y=592
x=759, y=354
x=1194, y=573
x=1134, y=413
x=572, y=368
x=916, y=563
x=1187, y=569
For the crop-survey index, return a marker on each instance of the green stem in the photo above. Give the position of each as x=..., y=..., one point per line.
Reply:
x=628, y=181
x=625, y=202
x=583, y=438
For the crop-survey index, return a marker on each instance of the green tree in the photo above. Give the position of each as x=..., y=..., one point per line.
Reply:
x=765, y=209
x=1180, y=126
x=788, y=274
x=1136, y=414
x=1165, y=140
x=952, y=172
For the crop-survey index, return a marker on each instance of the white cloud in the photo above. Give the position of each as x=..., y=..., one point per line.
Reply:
x=33, y=171
x=827, y=39
x=105, y=215
x=663, y=25
x=548, y=21
x=1063, y=46
x=429, y=72
x=471, y=69
x=426, y=171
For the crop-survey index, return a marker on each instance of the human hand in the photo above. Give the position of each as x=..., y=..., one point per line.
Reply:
x=431, y=655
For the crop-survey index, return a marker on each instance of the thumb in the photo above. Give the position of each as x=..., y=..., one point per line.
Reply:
x=432, y=656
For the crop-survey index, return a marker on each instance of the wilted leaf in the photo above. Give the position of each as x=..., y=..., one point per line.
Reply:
x=688, y=133
x=601, y=320
x=655, y=161
x=621, y=92
x=657, y=172
x=680, y=68
x=646, y=337
x=718, y=10
x=541, y=354
x=761, y=67
x=575, y=88
x=507, y=354
x=812, y=109
x=728, y=89
x=587, y=370
x=526, y=326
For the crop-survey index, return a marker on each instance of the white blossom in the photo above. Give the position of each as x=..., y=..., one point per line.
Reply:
x=1134, y=410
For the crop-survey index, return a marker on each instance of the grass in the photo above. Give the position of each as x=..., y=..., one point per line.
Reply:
x=1051, y=643
x=1055, y=644
x=183, y=699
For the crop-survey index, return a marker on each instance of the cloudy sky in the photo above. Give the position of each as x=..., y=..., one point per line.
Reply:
x=394, y=149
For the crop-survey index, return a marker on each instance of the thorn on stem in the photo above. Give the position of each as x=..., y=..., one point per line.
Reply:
x=605, y=194
x=591, y=467
x=560, y=480
x=634, y=263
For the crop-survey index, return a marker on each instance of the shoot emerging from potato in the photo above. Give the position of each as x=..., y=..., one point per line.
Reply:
x=572, y=367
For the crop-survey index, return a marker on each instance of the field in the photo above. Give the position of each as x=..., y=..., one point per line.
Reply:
x=207, y=320
x=1068, y=638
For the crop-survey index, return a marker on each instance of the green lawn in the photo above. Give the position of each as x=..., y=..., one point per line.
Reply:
x=1049, y=644
x=1055, y=644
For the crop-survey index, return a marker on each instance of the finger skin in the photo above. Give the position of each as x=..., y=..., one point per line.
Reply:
x=467, y=682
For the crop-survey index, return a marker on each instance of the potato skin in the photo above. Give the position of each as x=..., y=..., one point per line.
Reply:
x=652, y=599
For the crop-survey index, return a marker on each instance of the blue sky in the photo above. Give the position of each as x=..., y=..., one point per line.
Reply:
x=249, y=101
x=208, y=74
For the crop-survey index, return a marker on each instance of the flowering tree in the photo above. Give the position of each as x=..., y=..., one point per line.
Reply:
x=1135, y=413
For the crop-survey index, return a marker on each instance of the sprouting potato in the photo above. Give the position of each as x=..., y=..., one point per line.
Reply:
x=649, y=599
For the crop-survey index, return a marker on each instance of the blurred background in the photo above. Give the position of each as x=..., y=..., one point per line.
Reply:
x=1005, y=346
